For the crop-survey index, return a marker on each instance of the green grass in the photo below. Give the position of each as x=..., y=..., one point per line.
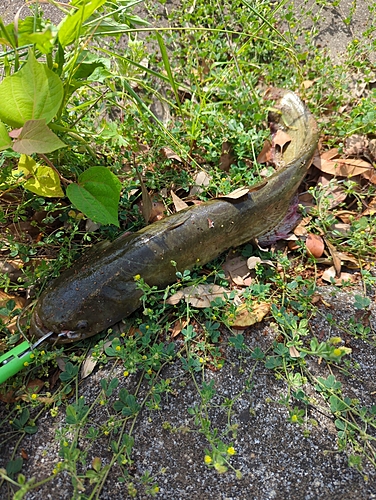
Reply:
x=211, y=72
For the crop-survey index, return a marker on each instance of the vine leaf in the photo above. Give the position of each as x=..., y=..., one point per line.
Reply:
x=97, y=195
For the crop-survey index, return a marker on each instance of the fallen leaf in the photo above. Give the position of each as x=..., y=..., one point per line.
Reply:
x=202, y=179
x=306, y=84
x=329, y=275
x=90, y=363
x=252, y=262
x=157, y=211
x=337, y=262
x=328, y=155
x=247, y=317
x=293, y=351
x=280, y=139
x=170, y=154
x=266, y=154
x=341, y=227
x=301, y=229
x=315, y=245
x=178, y=202
x=178, y=327
x=236, y=194
x=371, y=208
x=237, y=270
x=199, y=295
x=332, y=189
x=24, y=454
x=370, y=175
x=342, y=167
x=146, y=200
x=227, y=157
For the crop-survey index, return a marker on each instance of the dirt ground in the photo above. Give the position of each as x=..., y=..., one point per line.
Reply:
x=276, y=460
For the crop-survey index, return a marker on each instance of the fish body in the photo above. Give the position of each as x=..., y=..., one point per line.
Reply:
x=100, y=288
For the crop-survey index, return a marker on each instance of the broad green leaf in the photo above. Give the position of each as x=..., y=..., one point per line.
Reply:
x=41, y=180
x=32, y=93
x=43, y=40
x=36, y=137
x=97, y=195
x=5, y=140
x=70, y=27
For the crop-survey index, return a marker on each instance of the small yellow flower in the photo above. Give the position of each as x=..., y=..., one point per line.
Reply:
x=32, y=355
x=201, y=360
x=43, y=353
x=126, y=373
x=208, y=459
x=34, y=396
x=294, y=418
x=137, y=277
x=231, y=450
x=65, y=444
x=26, y=363
x=156, y=489
x=150, y=371
x=337, y=352
x=118, y=348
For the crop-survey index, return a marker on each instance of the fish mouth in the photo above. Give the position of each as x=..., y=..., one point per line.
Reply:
x=38, y=329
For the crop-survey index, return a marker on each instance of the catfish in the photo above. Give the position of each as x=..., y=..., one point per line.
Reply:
x=100, y=288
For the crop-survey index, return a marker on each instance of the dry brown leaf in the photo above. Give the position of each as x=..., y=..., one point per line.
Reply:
x=281, y=139
x=245, y=317
x=315, y=245
x=333, y=191
x=371, y=208
x=179, y=204
x=300, y=229
x=178, y=327
x=265, y=156
x=370, y=175
x=236, y=194
x=237, y=270
x=227, y=157
x=170, y=154
x=253, y=261
x=199, y=295
x=306, y=84
x=293, y=351
x=329, y=275
x=342, y=167
x=341, y=228
x=201, y=179
x=337, y=262
x=147, y=204
x=351, y=261
x=90, y=363
x=330, y=154
x=157, y=211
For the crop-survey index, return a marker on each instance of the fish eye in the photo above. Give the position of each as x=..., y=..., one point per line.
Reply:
x=81, y=325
